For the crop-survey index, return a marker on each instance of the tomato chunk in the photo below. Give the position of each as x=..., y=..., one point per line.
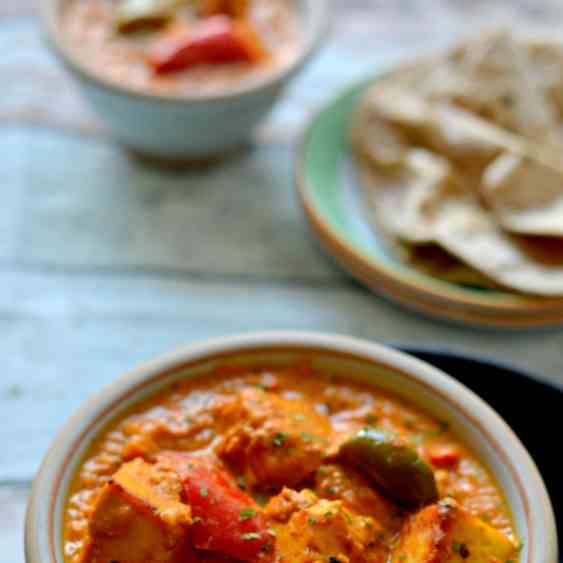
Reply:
x=215, y=40
x=225, y=519
x=443, y=455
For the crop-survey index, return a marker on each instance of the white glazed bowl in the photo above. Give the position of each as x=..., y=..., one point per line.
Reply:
x=475, y=423
x=182, y=127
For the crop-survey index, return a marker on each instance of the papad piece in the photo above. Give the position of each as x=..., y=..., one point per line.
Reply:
x=376, y=139
x=402, y=201
x=547, y=63
x=493, y=77
x=389, y=120
x=434, y=261
x=525, y=194
x=471, y=234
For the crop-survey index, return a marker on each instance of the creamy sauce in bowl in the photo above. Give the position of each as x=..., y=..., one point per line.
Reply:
x=122, y=58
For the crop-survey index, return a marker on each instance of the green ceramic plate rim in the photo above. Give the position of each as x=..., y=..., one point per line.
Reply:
x=325, y=140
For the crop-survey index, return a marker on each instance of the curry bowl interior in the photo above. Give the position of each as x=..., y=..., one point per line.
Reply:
x=313, y=14
x=421, y=385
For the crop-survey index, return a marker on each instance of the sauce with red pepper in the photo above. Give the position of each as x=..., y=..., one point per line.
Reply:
x=244, y=465
x=184, y=47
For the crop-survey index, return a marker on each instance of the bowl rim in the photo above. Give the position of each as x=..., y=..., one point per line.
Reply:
x=315, y=32
x=40, y=542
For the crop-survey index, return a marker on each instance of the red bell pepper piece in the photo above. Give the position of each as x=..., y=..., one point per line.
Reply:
x=214, y=40
x=226, y=519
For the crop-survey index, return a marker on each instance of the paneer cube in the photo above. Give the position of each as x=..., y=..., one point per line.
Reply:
x=275, y=440
x=340, y=482
x=445, y=532
x=139, y=517
x=309, y=529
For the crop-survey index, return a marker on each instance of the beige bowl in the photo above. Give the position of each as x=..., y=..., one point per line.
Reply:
x=176, y=127
x=475, y=423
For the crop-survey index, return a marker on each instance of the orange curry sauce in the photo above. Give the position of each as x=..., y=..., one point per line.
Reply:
x=196, y=415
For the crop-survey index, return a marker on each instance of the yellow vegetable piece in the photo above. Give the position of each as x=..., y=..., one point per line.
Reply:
x=445, y=532
x=139, y=516
x=313, y=530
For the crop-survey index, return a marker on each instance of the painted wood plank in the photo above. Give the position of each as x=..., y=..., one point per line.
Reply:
x=87, y=205
x=13, y=501
x=133, y=215
x=16, y=8
x=12, y=149
x=38, y=92
x=64, y=336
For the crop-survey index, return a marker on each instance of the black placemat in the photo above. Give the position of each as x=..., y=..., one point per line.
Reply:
x=529, y=405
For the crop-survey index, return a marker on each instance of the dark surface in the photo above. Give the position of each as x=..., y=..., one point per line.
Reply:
x=531, y=407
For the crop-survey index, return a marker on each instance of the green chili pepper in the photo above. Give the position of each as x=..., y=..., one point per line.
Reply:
x=393, y=465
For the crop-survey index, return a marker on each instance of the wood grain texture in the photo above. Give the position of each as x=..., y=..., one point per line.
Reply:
x=65, y=335
x=113, y=212
x=16, y=8
x=13, y=499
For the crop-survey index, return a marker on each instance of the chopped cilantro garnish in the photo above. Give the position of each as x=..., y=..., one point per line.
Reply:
x=410, y=423
x=250, y=536
x=507, y=100
x=279, y=439
x=203, y=491
x=460, y=548
x=265, y=548
x=416, y=439
x=443, y=426
x=520, y=546
x=247, y=513
x=370, y=419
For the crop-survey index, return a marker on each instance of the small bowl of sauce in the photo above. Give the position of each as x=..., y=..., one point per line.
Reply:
x=183, y=79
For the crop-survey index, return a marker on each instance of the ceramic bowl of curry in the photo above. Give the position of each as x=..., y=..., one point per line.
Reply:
x=287, y=446
x=183, y=79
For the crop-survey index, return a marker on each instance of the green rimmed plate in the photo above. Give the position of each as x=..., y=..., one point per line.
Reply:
x=330, y=196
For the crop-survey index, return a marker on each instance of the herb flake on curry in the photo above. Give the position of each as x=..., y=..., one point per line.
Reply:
x=282, y=464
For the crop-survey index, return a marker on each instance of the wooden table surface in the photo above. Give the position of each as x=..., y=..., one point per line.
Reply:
x=107, y=261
